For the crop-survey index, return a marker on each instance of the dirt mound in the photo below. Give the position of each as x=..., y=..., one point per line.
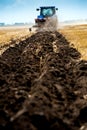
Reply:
x=43, y=85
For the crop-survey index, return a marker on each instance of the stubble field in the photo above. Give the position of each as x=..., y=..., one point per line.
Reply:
x=77, y=36
x=11, y=35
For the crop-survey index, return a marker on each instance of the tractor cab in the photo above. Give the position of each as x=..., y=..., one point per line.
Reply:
x=45, y=12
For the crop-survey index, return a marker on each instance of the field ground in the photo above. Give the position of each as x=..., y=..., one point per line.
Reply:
x=76, y=35
x=43, y=83
x=9, y=33
x=13, y=35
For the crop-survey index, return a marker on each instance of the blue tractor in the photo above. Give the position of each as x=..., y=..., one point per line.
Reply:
x=47, y=20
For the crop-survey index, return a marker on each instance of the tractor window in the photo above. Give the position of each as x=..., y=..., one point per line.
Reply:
x=46, y=12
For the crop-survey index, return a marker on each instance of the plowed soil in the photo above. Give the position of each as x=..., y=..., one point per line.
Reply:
x=43, y=85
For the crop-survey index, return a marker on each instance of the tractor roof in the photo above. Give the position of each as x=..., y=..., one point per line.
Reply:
x=47, y=7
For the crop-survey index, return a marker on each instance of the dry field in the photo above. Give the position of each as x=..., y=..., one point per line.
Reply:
x=12, y=33
x=77, y=36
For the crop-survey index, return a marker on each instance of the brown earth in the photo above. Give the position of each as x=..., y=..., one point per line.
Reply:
x=43, y=85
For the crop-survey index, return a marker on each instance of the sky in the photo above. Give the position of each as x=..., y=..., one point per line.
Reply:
x=12, y=11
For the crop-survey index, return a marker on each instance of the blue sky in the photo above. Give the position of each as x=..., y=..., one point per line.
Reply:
x=12, y=11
